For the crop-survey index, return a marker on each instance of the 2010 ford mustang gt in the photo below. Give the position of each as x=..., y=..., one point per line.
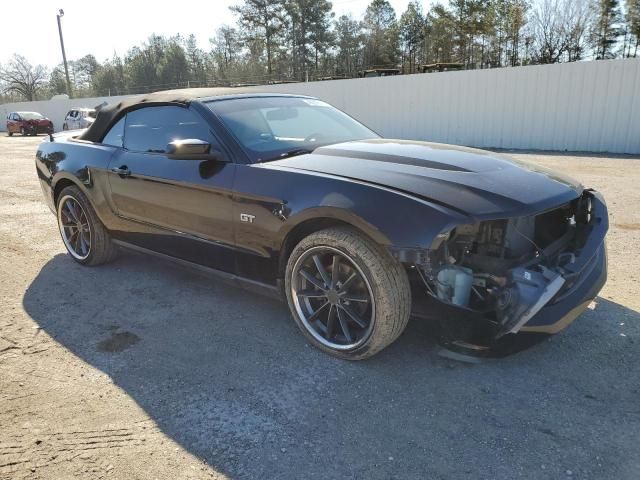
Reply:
x=356, y=231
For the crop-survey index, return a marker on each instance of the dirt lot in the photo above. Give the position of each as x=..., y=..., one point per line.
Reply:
x=143, y=370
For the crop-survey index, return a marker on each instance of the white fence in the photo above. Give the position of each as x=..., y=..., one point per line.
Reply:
x=583, y=106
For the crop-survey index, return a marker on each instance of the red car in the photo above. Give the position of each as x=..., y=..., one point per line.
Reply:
x=28, y=123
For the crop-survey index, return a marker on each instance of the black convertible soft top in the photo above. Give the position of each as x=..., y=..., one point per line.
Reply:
x=111, y=113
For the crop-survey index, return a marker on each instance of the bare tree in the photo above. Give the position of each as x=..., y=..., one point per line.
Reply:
x=558, y=28
x=21, y=78
x=548, y=31
x=578, y=17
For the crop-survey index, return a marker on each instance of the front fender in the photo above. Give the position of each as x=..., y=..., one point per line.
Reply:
x=392, y=219
x=282, y=198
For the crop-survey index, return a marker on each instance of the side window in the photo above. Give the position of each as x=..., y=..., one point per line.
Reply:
x=150, y=129
x=115, y=136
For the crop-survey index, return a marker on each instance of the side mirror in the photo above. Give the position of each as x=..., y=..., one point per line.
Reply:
x=192, y=149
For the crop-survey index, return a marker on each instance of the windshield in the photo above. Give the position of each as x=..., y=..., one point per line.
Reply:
x=30, y=116
x=269, y=128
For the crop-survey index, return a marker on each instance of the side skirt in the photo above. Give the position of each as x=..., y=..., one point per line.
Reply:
x=271, y=291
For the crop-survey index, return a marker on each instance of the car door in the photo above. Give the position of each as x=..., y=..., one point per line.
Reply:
x=73, y=120
x=187, y=202
x=78, y=119
x=15, y=123
x=67, y=121
x=18, y=124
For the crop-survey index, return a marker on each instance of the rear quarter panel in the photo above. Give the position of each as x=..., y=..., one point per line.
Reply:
x=84, y=164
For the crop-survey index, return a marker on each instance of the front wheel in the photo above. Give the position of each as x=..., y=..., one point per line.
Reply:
x=10, y=134
x=84, y=236
x=347, y=294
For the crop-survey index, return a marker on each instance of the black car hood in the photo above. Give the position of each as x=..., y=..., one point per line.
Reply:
x=475, y=182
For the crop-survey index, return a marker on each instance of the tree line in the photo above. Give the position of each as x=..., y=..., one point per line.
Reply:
x=298, y=40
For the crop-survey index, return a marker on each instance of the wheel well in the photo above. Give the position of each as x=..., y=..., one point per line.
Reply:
x=60, y=185
x=303, y=230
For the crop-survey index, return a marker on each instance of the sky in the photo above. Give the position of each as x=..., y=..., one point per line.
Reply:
x=102, y=28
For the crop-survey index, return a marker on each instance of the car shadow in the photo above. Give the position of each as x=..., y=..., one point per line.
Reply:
x=226, y=374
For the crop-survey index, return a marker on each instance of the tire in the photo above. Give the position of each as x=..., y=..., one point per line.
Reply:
x=10, y=134
x=64, y=126
x=382, y=293
x=100, y=247
x=23, y=132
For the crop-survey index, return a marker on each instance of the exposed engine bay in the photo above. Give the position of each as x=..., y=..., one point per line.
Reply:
x=507, y=270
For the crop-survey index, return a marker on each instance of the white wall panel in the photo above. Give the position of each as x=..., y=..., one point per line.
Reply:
x=583, y=106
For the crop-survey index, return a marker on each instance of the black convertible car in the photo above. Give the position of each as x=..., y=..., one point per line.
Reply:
x=358, y=232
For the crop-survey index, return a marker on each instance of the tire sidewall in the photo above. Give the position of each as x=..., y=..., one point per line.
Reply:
x=76, y=194
x=359, y=351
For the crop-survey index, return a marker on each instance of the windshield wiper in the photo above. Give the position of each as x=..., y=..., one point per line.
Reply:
x=289, y=153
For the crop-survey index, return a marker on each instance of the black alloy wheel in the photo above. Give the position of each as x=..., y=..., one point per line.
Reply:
x=83, y=234
x=348, y=295
x=333, y=298
x=74, y=227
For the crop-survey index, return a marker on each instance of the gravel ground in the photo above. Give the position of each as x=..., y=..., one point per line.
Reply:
x=140, y=369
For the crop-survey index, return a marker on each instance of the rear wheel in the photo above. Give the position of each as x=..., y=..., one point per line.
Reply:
x=348, y=295
x=84, y=236
x=23, y=132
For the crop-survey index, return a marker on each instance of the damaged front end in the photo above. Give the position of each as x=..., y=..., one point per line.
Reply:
x=500, y=277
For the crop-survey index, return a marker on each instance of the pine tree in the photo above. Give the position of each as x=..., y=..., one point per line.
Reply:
x=349, y=45
x=381, y=34
x=412, y=32
x=264, y=19
x=632, y=18
x=439, y=35
x=309, y=33
x=605, y=29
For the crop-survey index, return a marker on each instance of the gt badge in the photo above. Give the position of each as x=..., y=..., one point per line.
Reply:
x=245, y=217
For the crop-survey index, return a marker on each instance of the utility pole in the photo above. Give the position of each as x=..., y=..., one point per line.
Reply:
x=64, y=55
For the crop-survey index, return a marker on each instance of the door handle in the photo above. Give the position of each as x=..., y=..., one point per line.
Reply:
x=123, y=171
